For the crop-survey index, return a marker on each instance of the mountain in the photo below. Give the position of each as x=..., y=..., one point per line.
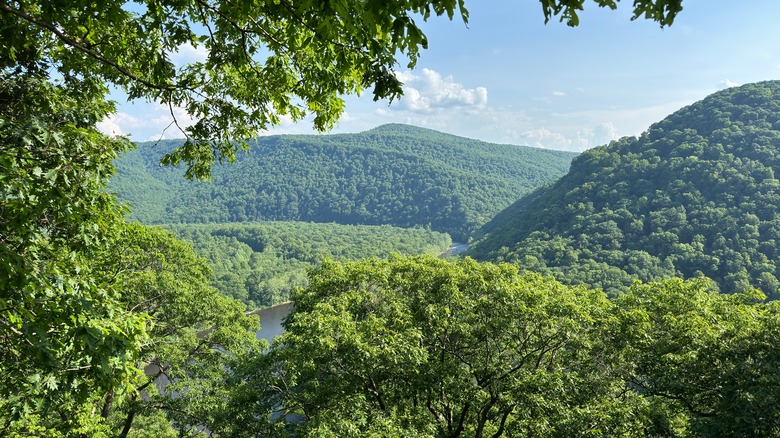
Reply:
x=696, y=195
x=394, y=174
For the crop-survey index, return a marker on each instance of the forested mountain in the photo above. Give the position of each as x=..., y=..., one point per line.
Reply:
x=394, y=174
x=697, y=194
x=260, y=263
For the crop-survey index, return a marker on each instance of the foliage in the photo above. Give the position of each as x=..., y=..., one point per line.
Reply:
x=712, y=356
x=68, y=342
x=194, y=330
x=261, y=263
x=395, y=174
x=64, y=335
x=424, y=347
x=663, y=12
x=696, y=195
x=264, y=59
x=420, y=346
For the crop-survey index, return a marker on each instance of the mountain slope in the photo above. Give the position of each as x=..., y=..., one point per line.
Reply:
x=394, y=174
x=697, y=194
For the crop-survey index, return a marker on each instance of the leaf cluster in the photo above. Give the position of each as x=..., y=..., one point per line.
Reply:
x=263, y=59
x=63, y=333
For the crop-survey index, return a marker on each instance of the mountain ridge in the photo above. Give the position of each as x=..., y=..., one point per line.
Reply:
x=394, y=174
x=695, y=195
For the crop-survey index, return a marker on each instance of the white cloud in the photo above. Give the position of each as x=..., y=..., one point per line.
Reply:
x=727, y=83
x=544, y=138
x=187, y=54
x=161, y=122
x=558, y=93
x=601, y=134
x=156, y=124
x=110, y=126
x=562, y=138
x=430, y=91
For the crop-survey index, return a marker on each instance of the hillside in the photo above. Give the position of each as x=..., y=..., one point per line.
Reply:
x=697, y=194
x=394, y=174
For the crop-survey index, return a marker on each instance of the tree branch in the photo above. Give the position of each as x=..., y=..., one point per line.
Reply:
x=75, y=43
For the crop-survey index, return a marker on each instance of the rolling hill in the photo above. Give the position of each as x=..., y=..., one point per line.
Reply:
x=395, y=174
x=696, y=195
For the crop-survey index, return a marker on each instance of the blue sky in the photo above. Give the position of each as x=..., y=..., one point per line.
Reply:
x=509, y=78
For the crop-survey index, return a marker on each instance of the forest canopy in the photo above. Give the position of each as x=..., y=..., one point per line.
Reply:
x=72, y=345
x=261, y=263
x=423, y=347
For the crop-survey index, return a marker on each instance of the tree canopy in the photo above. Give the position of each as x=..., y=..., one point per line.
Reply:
x=424, y=347
x=397, y=175
x=261, y=263
x=63, y=333
x=68, y=341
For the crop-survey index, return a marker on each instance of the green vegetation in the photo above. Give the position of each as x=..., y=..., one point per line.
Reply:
x=395, y=174
x=183, y=332
x=696, y=195
x=424, y=347
x=64, y=337
x=87, y=301
x=194, y=332
x=262, y=263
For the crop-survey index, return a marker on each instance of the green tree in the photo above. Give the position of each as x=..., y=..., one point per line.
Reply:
x=693, y=196
x=420, y=346
x=710, y=357
x=65, y=337
x=265, y=58
x=194, y=330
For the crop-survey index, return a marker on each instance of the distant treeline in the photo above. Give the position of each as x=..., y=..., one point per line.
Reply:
x=261, y=263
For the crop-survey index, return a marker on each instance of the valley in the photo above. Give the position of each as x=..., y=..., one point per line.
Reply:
x=653, y=250
x=232, y=219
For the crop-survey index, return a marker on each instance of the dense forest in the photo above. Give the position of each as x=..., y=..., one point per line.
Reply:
x=696, y=195
x=394, y=174
x=261, y=263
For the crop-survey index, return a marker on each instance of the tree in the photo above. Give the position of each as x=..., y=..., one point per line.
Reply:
x=66, y=338
x=424, y=347
x=194, y=330
x=420, y=346
x=64, y=335
x=711, y=357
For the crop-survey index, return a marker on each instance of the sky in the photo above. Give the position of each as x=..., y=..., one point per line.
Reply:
x=510, y=78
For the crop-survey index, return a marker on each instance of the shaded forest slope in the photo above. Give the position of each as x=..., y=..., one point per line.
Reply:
x=394, y=174
x=696, y=195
